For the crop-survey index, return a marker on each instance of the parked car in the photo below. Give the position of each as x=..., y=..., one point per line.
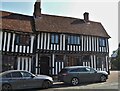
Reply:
x=17, y=79
x=77, y=74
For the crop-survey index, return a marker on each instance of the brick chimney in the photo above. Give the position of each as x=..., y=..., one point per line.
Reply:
x=37, y=9
x=86, y=16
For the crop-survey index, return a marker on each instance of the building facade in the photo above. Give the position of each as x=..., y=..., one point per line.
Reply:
x=16, y=41
x=44, y=44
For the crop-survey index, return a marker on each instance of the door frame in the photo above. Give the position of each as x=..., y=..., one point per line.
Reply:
x=44, y=64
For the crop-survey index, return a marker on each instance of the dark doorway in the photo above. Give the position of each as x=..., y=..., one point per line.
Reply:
x=44, y=65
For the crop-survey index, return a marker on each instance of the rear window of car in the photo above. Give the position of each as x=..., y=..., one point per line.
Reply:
x=63, y=70
x=8, y=75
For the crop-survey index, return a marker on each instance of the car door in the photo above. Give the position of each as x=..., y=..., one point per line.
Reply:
x=30, y=80
x=16, y=80
x=83, y=75
x=91, y=74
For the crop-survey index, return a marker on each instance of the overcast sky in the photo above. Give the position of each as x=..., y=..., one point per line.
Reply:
x=104, y=11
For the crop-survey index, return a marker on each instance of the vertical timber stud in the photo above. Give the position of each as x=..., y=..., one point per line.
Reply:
x=26, y=62
x=92, y=61
x=95, y=62
x=107, y=65
x=5, y=35
x=30, y=63
x=53, y=61
x=36, y=64
x=1, y=34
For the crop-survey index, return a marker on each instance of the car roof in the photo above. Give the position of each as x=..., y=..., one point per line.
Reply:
x=72, y=67
x=9, y=71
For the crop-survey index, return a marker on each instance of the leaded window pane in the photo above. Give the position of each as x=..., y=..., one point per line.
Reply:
x=75, y=40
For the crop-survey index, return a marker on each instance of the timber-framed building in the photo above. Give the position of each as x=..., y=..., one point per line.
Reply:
x=44, y=44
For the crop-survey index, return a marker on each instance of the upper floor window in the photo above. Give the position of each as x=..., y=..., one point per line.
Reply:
x=22, y=39
x=17, y=39
x=74, y=40
x=55, y=38
x=102, y=42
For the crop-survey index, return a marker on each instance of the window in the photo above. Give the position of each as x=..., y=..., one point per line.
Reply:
x=17, y=39
x=72, y=60
x=7, y=64
x=82, y=70
x=54, y=38
x=22, y=39
x=63, y=70
x=16, y=74
x=26, y=74
x=90, y=69
x=7, y=75
x=74, y=70
x=102, y=42
x=101, y=61
x=86, y=58
x=74, y=40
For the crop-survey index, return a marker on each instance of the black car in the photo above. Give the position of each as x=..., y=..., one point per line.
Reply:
x=77, y=74
x=17, y=79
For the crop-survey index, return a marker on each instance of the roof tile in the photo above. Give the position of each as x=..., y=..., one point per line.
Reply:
x=16, y=22
x=51, y=23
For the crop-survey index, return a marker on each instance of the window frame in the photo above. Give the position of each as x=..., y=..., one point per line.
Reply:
x=74, y=40
x=86, y=58
x=75, y=70
x=54, y=38
x=102, y=42
x=16, y=76
x=24, y=76
x=17, y=39
x=8, y=75
x=21, y=39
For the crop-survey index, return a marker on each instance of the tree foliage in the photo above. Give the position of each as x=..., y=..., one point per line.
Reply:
x=116, y=62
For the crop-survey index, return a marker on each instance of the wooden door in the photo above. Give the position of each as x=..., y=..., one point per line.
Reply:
x=44, y=65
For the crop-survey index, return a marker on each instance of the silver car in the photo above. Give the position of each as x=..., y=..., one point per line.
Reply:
x=78, y=74
x=17, y=79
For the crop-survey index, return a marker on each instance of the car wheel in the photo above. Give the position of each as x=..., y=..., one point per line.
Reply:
x=46, y=84
x=6, y=87
x=75, y=81
x=103, y=78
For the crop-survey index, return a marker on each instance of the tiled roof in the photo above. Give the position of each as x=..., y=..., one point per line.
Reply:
x=16, y=22
x=51, y=23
